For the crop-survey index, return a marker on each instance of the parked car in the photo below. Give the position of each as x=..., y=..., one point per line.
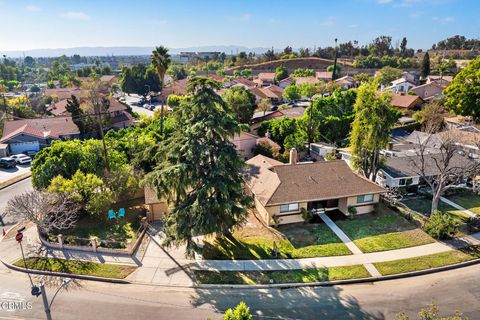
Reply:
x=30, y=153
x=21, y=158
x=7, y=162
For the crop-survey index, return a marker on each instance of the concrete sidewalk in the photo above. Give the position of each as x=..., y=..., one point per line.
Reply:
x=456, y=206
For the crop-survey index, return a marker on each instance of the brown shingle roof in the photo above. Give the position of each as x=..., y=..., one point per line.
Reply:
x=311, y=80
x=64, y=93
x=405, y=101
x=277, y=184
x=268, y=76
x=43, y=127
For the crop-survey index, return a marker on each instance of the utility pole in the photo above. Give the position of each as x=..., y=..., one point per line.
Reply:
x=46, y=305
x=334, y=73
x=98, y=113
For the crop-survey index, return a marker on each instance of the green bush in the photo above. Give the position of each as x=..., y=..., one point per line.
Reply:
x=241, y=312
x=441, y=225
x=306, y=214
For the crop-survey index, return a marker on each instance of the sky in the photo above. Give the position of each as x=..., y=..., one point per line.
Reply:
x=40, y=24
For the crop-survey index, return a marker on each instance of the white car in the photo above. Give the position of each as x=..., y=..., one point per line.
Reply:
x=21, y=158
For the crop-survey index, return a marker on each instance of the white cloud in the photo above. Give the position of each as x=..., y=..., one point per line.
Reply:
x=75, y=15
x=33, y=8
x=443, y=20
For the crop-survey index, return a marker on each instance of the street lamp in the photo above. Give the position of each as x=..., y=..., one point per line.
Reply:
x=39, y=290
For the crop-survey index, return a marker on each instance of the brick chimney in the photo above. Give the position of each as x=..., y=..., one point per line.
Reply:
x=293, y=156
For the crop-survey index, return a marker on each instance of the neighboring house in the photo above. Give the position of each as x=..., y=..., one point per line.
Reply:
x=467, y=139
x=245, y=144
x=310, y=80
x=157, y=208
x=35, y=134
x=346, y=82
x=283, y=191
x=400, y=86
x=273, y=93
x=444, y=81
x=285, y=82
x=458, y=122
x=325, y=76
x=428, y=91
x=404, y=173
x=177, y=87
x=119, y=117
x=411, y=76
x=64, y=93
x=405, y=103
x=265, y=79
x=244, y=82
x=295, y=112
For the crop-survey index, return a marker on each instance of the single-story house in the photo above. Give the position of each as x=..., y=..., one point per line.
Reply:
x=285, y=82
x=346, y=82
x=310, y=80
x=64, y=93
x=282, y=191
x=265, y=79
x=244, y=82
x=325, y=76
x=403, y=172
x=458, y=122
x=295, y=112
x=405, y=103
x=400, y=86
x=428, y=91
x=34, y=134
x=444, y=81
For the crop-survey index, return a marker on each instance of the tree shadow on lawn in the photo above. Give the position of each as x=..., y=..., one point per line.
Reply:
x=293, y=303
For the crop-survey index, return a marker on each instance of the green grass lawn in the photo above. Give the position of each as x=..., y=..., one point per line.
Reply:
x=305, y=241
x=424, y=262
x=423, y=205
x=290, y=276
x=468, y=200
x=383, y=230
x=77, y=267
x=118, y=232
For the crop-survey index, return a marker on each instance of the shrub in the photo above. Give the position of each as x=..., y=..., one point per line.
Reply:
x=440, y=225
x=306, y=214
x=352, y=210
x=241, y=312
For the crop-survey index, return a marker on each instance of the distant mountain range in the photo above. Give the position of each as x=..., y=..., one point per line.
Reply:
x=124, y=51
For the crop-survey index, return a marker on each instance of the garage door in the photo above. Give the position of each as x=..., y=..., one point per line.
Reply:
x=21, y=147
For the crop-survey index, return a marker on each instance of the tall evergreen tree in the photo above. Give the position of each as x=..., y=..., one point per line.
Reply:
x=161, y=60
x=201, y=172
x=371, y=128
x=425, y=67
x=81, y=118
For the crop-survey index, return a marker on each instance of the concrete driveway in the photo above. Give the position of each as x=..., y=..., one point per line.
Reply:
x=135, y=98
x=10, y=173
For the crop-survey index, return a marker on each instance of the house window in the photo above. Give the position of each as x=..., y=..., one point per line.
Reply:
x=290, y=207
x=365, y=198
x=405, y=182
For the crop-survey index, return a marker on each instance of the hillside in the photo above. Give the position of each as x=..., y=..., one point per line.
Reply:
x=290, y=64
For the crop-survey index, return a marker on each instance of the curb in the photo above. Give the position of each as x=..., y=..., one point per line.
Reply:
x=10, y=229
x=65, y=275
x=341, y=282
x=258, y=286
x=14, y=180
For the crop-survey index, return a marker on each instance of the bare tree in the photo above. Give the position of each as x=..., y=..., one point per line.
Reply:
x=48, y=211
x=442, y=164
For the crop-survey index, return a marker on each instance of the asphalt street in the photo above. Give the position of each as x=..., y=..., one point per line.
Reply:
x=451, y=290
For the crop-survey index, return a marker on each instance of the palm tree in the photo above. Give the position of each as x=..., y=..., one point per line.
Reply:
x=161, y=60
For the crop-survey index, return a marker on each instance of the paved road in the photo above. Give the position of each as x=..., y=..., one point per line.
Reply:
x=88, y=300
x=456, y=289
x=8, y=192
x=7, y=174
x=129, y=99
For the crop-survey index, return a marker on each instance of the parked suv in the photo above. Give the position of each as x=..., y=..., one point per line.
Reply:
x=7, y=162
x=21, y=158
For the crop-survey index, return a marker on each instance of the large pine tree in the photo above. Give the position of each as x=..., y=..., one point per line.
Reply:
x=201, y=173
x=425, y=67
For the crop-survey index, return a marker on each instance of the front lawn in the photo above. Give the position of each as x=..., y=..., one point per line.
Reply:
x=423, y=205
x=422, y=263
x=383, y=230
x=77, y=267
x=294, y=241
x=117, y=233
x=288, y=276
x=468, y=200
